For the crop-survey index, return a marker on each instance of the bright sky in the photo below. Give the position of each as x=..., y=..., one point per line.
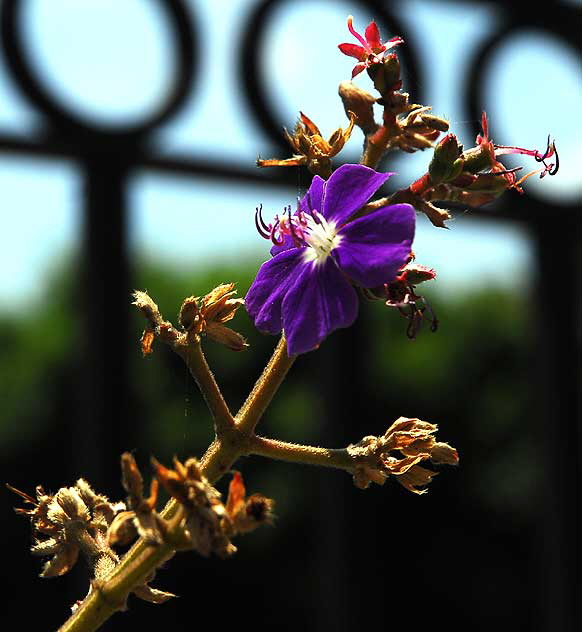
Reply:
x=110, y=60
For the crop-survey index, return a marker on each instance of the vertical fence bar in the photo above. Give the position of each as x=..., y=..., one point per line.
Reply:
x=559, y=248
x=102, y=430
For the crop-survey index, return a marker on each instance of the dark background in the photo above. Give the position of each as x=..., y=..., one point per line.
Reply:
x=492, y=543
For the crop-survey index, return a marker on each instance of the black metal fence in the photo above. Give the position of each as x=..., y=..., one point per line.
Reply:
x=106, y=397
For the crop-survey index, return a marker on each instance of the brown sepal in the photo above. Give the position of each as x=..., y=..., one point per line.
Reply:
x=246, y=514
x=153, y=595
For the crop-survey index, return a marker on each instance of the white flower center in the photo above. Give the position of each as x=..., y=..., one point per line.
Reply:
x=321, y=239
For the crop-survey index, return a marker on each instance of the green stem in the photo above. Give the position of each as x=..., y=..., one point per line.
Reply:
x=377, y=142
x=296, y=453
x=252, y=410
x=195, y=360
x=232, y=441
x=110, y=596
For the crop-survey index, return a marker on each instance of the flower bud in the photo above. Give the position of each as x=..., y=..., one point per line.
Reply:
x=386, y=76
x=360, y=103
x=244, y=514
x=493, y=183
x=436, y=122
x=446, y=163
x=479, y=158
x=415, y=273
x=376, y=458
x=207, y=315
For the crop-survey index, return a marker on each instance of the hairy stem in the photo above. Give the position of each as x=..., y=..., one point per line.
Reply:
x=110, y=596
x=265, y=388
x=232, y=441
x=296, y=453
x=195, y=360
x=187, y=346
x=377, y=142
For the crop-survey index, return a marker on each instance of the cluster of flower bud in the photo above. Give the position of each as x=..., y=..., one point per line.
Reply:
x=199, y=316
x=201, y=521
x=401, y=294
x=376, y=457
x=77, y=521
x=406, y=126
x=73, y=521
x=310, y=148
x=207, y=315
x=476, y=176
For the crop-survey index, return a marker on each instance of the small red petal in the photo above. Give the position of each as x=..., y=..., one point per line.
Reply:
x=236, y=493
x=358, y=69
x=373, y=37
x=392, y=42
x=353, y=50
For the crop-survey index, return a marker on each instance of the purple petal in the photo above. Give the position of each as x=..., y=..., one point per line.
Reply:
x=314, y=196
x=287, y=244
x=374, y=247
x=265, y=296
x=348, y=189
x=318, y=301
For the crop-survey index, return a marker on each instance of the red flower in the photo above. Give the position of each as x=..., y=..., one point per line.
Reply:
x=371, y=50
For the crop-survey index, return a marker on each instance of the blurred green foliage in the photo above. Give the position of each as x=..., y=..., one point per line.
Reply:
x=476, y=529
x=471, y=377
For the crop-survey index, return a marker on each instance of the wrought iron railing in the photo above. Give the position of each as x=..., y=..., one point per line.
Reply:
x=106, y=157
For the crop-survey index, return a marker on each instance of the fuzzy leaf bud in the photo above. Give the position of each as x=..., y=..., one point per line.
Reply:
x=360, y=103
x=446, y=163
x=436, y=122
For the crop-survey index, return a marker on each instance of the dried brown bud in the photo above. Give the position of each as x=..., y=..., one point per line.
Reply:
x=435, y=122
x=414, y=439
x=72, y=521
x=207, y=315
x=77, y=520
x=147, y=340
x=203, y=512
x=189, y=316
x=144, y=302
x=417, y=129
x=142, y=519
x=153, y=595
x=156, y=325
x=310, y=148
x=361, y=104
x=437, y=216
x=246, y=514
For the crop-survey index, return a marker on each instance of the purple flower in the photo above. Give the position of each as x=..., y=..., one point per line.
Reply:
x=306, y=289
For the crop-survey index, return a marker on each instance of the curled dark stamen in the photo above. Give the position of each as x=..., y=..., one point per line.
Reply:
x=415, y=322
x=553, y=170
x=262, y=228
x=276, y=242
x=541, y=157
x=434, y=322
